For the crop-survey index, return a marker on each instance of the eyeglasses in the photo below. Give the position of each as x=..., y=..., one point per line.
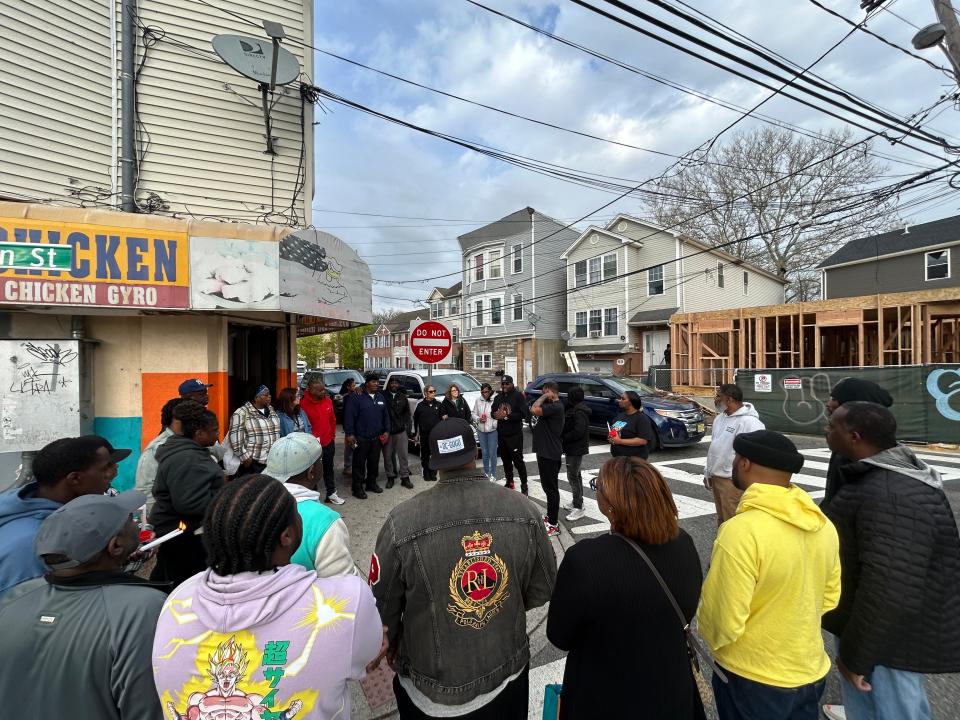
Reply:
x=431, y=392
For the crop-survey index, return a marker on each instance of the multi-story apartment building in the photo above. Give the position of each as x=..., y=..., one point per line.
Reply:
x=618, y=318
x=514, y=296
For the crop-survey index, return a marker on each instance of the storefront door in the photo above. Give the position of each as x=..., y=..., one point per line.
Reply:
x=252, y=362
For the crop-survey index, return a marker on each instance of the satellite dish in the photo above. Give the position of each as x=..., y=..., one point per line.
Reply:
x=565, y=335
x=253, y=58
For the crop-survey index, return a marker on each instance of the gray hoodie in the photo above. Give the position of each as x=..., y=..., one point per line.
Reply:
x=900, y=459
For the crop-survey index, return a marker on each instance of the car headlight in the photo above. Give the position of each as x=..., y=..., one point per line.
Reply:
x=668, y=413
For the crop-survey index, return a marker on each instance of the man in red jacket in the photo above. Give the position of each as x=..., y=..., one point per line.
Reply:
x=318, y=406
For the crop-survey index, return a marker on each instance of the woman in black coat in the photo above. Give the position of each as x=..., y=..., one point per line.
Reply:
x=187, y=479
x=426, y=417
x=627, y=650
x=454, y=406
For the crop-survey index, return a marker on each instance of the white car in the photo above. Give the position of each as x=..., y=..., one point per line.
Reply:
x=413, y=381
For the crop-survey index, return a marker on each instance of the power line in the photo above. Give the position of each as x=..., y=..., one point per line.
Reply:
x=886, y=120
x=861, y=28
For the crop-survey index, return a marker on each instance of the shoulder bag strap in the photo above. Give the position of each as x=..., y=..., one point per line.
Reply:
x=695, y=646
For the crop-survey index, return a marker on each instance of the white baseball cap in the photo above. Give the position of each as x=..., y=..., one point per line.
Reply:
x=291, y=455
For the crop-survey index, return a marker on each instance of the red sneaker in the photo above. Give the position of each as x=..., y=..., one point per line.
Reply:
x=552, y=530
x=509, y=485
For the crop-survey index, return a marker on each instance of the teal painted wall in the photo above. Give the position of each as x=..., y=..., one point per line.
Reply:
x=122, y=433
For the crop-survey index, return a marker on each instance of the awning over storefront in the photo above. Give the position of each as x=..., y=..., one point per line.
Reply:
x=99, y=258
x=652, y=317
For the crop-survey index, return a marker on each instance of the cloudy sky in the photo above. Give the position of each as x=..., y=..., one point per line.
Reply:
x=373, y=177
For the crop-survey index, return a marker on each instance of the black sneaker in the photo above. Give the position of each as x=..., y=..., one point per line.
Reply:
x=374, y=488
x=390, y=483
x=405, y=482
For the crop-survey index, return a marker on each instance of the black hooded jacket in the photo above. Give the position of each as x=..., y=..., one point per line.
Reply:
x=900, y=567
x=576, y=430
x=187, y=479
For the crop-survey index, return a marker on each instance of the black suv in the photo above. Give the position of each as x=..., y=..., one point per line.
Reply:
x=676, y=422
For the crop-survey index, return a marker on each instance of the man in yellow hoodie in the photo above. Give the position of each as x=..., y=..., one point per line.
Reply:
x=775, y=571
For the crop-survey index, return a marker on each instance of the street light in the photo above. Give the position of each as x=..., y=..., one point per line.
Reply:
x=932, y=36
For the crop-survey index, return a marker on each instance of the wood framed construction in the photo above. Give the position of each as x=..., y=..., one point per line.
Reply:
x=880, y=330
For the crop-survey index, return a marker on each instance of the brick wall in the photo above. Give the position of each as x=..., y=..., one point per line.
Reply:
x=499, y=348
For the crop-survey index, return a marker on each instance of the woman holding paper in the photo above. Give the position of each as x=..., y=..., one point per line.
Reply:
x=187, y=479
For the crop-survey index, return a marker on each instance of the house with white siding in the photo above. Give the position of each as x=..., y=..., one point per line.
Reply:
x=514, y=296
x=200, y=133
x=618, y=318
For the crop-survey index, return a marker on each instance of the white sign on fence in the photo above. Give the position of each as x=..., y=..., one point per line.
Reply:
x=762, y=383
x=39, y=392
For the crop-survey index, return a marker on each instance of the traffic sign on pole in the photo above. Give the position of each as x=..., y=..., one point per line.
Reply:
x=430, y=341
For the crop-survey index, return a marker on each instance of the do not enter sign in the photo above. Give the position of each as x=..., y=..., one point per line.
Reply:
x=430, y=341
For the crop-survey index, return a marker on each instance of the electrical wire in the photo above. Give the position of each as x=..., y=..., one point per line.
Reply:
x=888, y=121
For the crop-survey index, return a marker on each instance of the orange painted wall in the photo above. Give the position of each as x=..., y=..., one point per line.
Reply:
x=160, y=387
x=285, y=379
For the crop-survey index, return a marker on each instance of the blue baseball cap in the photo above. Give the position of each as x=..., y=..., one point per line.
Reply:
x=192, y=386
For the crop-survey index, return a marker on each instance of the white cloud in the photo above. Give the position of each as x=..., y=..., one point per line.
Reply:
x=366, y=165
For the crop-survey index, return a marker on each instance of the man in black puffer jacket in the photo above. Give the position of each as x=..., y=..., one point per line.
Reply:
x=576, y=444
x=900, y=569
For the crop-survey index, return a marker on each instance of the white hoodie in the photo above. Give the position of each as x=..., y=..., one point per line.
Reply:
x=725, y=429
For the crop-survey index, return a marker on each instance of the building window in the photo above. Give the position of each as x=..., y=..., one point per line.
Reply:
x=455, y=334
x=454, y=308
x=478, y=267
x=482, y=361
x=517, y=252
x=595, y=266
x=746, y=282
x=478, y=313
x=581, y=325
x=938, y=264
x=436, y=310
x=495, y=264
x=655, y=280
x=719, y=274
x=610, y=321
x=580, y=273
x=517, y=303
x=496, y=311
x=596, y=323
x=609, y=266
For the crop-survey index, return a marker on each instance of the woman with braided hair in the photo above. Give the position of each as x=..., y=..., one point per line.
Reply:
x=272, y=634
x=187, y=479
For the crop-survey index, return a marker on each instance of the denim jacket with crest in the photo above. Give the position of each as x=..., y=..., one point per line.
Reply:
x=455, y=570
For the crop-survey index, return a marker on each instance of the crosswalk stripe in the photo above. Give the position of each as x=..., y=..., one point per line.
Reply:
x=672, y=473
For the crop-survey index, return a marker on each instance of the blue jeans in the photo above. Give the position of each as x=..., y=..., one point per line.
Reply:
x=488, y=446
x=743, y=699
x=896, y=695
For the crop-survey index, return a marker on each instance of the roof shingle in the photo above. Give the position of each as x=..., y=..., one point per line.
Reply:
x=915, y=237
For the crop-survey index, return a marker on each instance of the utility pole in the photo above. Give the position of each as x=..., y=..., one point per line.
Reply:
x=948, y=18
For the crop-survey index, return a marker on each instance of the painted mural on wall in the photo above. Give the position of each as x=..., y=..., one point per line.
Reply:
x=114, y=267
x=321, y=275
x=926, y=398
x=234, y=274
x=38, y=374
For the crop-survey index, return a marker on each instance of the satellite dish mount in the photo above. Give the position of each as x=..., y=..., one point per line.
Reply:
x=268, y=64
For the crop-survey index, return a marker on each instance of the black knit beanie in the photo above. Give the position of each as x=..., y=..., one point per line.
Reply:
x=854, y=389
x=769, y=449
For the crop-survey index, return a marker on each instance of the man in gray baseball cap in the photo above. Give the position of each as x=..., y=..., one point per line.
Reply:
x=84, y=601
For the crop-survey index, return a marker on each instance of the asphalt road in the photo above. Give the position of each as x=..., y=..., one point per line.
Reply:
x=682, y=468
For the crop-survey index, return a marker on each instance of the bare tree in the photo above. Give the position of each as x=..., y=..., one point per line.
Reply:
x=384, y=316
x=764, y=167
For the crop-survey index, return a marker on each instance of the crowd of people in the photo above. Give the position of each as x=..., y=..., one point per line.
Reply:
x=256, y=609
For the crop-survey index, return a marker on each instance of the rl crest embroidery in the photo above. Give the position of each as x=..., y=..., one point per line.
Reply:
x=478, y=583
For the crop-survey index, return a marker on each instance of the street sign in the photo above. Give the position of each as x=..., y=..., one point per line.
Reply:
x=35, y=257
x=430, y=341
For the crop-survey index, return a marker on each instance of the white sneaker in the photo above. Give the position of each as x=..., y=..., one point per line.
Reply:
x=335, y=499
x=835, y=712
x=568, y=506
x=575, y=514
x=492, y=478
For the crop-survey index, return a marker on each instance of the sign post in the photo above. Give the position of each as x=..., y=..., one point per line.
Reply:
x=430, y=343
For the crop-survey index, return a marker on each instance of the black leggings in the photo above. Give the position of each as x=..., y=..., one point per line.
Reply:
x=510, y=449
